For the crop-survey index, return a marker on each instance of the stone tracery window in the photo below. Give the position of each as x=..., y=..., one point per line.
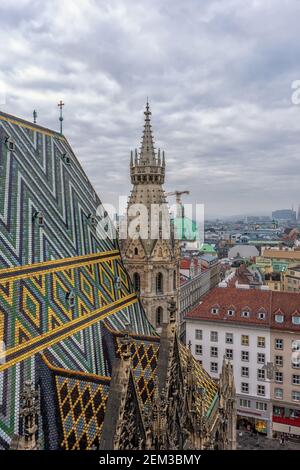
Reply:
x=159, y=316
x=136, y=282
x=159, y=283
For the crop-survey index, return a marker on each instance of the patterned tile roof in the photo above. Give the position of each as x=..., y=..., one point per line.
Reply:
x=60, y=274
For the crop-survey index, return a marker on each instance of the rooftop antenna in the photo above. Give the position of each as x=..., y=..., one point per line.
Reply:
x=34, y=116
x=60, y=105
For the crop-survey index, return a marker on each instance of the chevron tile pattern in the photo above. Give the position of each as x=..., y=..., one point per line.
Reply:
x=58, y=271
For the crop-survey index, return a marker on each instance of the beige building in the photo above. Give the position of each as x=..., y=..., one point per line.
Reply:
x=291, y=279
x=151, y=257
x=273, y=260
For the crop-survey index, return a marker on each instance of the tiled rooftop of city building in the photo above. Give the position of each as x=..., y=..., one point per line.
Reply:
x=263, y=307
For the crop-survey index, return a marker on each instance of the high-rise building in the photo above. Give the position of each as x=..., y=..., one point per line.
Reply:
x=284, y=215
x=152, y=257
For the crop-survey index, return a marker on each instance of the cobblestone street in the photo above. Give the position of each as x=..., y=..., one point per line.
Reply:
x=248, y=441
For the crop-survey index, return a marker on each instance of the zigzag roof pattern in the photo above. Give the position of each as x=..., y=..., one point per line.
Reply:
x=43, y=261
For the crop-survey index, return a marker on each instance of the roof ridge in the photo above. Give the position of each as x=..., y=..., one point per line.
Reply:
x=12, y=118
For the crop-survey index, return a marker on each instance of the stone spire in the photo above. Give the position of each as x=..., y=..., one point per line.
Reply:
x=147, y=152
x=147, y=167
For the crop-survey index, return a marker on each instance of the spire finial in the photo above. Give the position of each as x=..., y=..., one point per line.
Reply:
x=147, y=153
x=60, y=105
x=34, y=116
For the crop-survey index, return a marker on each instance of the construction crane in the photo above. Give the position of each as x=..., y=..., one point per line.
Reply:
x=178, y=195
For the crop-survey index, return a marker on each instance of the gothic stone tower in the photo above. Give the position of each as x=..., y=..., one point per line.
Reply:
x=152, y=259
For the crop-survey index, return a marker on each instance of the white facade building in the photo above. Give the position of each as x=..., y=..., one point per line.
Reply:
x=249, y=351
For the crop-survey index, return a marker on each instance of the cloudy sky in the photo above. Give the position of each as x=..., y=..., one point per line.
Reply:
x=218, y=75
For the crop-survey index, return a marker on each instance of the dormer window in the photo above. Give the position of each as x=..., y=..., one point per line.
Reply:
x=261, y=315
x=296, y=320
x=230, y=312
x=279, y=318
x=70, y=299
x=245, y=314
x=39, y=217
x=66, y=158
x=93, y=220
x=215, y=310
x=10, y=144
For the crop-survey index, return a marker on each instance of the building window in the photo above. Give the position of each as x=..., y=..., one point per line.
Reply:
x=295, y=363
x=215, y=310
x=174, y=280
x=136, y=282
x=296, y=320
x=261, y=342
x=279, y=361
x=261, y=406
x=198, y=349
x=229, y=338
x=279, y=318
x=261, y=316
x=245, y=314
x=295, y=345
x=10, y=144
x=295, y=379
x=278, y=393
x=279, y=377
x=159, y=283
x=214, y=367
x=245, y=403
x=214, y=336
x=198, y=334
x=214, y=351
x=230, y=312
x=261, y=358
x=245, y=340
x=229, y=354
x=136, y=251
x=39, y=217
x=261, y=374
x=245, y=356
x=261, y=390
x=159, y=316
x=278, y=343
x=245, y=372
x=295, y=395
x=244, y=387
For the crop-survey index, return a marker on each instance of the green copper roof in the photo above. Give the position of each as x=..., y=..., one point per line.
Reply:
x=207, y=248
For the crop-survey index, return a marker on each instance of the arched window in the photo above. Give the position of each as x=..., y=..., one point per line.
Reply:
x=136, y=251
x=136, y=282
x=159, y=316
x=174, y=281
x=159, y=283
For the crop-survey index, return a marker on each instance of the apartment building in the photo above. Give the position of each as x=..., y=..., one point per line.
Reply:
x=242, y=325
x=291, y=279
x=285, y=358
x=277, y=260
x=196, y=285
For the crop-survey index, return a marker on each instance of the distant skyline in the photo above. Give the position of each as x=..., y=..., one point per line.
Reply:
x=219, y=78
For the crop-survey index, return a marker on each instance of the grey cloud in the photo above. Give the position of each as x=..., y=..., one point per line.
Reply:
x=218, y=75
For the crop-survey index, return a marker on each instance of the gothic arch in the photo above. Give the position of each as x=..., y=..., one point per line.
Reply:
x=159, y=316
x=159, y=283
x=136, y=279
